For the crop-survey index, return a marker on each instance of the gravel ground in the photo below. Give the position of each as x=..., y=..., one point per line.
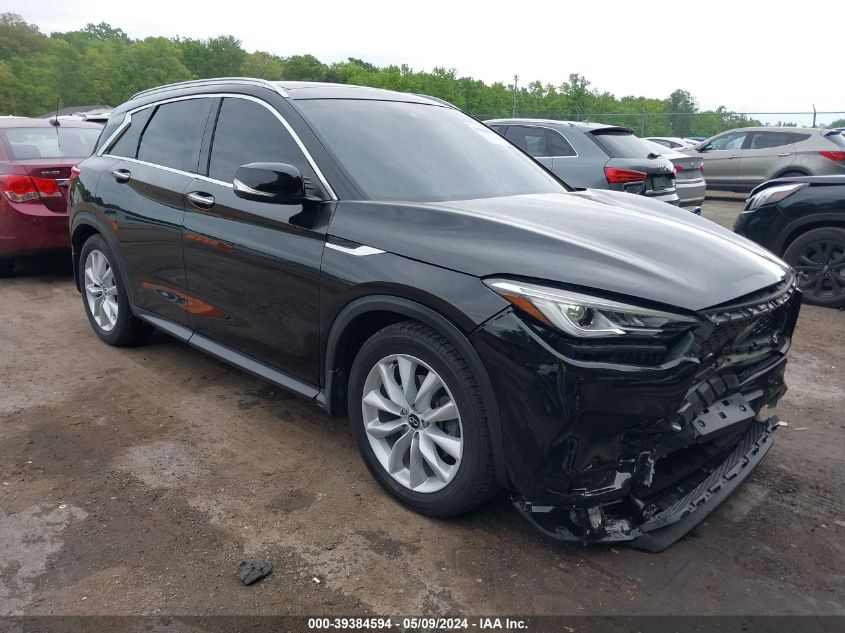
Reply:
x=133, y=481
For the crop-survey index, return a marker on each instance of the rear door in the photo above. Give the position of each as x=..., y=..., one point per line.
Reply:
x=721, y=158
x=254, y=267
x=142, y=194
x=766, y=154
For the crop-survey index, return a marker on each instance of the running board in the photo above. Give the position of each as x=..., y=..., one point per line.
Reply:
x=241, y=361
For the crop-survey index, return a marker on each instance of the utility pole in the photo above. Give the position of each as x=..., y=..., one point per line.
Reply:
x=814, y=115
x=515, y=81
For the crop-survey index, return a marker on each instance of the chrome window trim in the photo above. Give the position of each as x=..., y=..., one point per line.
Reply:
x=103, y=151
x=251, y=81
x=172, y=170
x=357, y=251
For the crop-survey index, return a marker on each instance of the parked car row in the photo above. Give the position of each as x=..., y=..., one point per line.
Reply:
x=596, y=156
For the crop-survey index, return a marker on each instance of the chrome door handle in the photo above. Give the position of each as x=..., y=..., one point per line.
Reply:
x=734, y=156
x=121, y=175
x=784, y=154
x=201, y=200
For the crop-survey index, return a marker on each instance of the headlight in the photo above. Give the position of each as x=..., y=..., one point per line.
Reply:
x=771, y=195
x=585, y=316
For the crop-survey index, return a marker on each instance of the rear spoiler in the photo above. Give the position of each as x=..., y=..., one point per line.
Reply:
x=612, y=129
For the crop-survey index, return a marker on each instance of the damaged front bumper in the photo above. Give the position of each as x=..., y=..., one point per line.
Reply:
x=661, y=530
x=599, y=451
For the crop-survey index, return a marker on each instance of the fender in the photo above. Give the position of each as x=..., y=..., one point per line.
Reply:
x=436, y=321
x=89, y=218
x=792, y=169
x=795, y=227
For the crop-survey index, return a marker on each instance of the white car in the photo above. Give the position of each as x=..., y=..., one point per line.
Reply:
x=672, y=142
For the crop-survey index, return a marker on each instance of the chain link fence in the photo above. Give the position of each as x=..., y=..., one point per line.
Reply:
x=686, y=124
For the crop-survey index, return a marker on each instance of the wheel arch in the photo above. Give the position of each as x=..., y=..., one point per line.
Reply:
x=804, y=225
x=801, y=171
x=83, y=226
x=365, y=316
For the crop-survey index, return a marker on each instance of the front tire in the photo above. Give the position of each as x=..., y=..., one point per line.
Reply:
x=419, y=421
x=105, y=299
x=818, y=256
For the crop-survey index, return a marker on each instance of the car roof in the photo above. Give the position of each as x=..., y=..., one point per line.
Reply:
x=301, y=90
x=772, y=128
x=297, y=90
x=583, y=125
x=23, y=121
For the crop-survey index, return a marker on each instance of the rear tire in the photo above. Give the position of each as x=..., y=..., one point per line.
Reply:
x=105, y=299
x=7, y=266
x=792, y=174
x=412, y=450
x=818, y=257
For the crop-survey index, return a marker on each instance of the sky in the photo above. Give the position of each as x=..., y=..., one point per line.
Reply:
x=748, y=55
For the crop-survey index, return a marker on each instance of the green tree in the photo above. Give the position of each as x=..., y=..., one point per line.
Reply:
x=304, y=68
x=18, y=37
x=263, y=65
x=681, y=106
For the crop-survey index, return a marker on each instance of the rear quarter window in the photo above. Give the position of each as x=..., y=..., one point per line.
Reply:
x=127, y=144
x=837, y=139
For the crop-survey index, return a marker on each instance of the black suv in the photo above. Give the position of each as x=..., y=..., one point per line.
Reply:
x=604, y=357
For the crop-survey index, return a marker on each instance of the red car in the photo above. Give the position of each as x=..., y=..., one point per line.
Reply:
x=36, y=158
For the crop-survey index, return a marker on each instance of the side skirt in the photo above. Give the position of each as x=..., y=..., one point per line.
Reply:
x=232, y=357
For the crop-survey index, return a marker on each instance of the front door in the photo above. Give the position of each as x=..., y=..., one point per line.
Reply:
x=253, y=268
x=767, y=154
x=721, y=158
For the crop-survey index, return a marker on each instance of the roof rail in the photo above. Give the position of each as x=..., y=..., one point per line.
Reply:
x=437, y=99
x=211, y=81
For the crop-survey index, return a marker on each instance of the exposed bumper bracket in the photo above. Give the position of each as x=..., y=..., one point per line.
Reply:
x=663, y=529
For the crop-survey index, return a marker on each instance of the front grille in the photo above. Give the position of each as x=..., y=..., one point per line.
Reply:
x=758, y=316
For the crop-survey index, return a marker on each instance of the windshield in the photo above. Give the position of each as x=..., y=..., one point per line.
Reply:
x=49, y=142
x=620, y=143
x=415, y=152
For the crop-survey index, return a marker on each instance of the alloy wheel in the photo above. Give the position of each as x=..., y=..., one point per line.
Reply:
x=101, y=290
x=821, y=269
x=412, y=423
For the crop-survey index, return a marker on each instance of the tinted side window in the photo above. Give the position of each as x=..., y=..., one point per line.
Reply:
x=529, y=139
x=247, y=132
x=174, y=134
x=796, y=137
x=127, y=144
x=559, y=146
x=763, y=140
x=733, y=141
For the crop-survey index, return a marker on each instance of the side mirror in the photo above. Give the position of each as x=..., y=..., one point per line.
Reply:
x=278, y=183
x=702, y=147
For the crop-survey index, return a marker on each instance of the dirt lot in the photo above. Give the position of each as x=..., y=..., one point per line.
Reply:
x=134, y=481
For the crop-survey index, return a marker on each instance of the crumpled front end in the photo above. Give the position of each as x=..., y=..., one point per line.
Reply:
x=638, y=441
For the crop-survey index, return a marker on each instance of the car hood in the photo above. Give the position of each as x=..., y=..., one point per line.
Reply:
x=605, y=240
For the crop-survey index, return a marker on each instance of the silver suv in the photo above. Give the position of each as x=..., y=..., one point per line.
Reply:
x=741, y=159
